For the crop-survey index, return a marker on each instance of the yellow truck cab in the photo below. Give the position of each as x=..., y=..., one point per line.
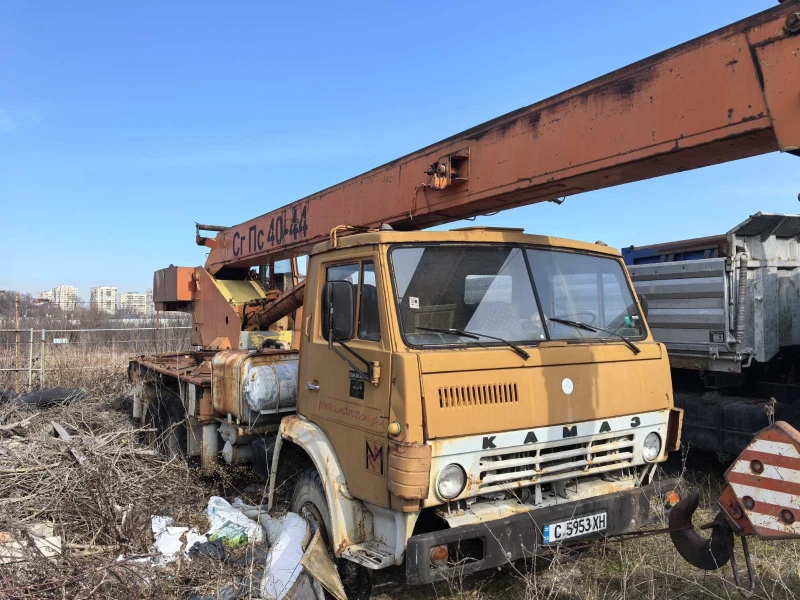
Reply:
x=468, y=397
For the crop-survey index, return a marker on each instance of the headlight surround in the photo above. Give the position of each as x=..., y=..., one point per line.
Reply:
x=651, y=449
x=451, y=481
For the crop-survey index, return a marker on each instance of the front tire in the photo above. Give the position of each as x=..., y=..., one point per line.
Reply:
x=308, y=500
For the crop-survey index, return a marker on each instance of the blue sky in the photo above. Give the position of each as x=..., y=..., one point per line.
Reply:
x=121, y=124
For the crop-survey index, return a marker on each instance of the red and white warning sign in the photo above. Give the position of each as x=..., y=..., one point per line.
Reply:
x=765, y=480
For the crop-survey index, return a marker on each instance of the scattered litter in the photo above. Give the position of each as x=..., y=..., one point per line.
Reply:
x=230, y=524
x=82, y=467
x=293, y=564
x=229, y=529
x=173, y=542
x=287, y=536
x=299, y=564
x=99, y=498
x=16, y=548
x=215, y=550
x=318, y=565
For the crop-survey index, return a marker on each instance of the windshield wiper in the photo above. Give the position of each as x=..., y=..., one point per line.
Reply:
x=477, y=336
x=592, y=328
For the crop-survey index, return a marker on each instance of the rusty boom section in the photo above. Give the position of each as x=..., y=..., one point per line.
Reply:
x=730, y=94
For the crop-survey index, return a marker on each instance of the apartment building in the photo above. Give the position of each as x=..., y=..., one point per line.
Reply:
x=133, y=303
x=66, y=296
x=151, y=308
x=103, y=299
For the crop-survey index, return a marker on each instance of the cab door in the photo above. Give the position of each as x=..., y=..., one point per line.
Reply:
x=351, y=410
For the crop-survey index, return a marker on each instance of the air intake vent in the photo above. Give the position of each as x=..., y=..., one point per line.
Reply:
x=477, y=395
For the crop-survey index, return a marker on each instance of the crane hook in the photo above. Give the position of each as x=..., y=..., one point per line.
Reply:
x=704, y=553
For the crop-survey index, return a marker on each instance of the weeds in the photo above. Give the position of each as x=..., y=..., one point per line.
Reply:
x=101, y=510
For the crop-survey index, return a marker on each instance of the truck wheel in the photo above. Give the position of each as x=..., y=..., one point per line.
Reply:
x=166, y=416
x=309, y=501
x=173, y=426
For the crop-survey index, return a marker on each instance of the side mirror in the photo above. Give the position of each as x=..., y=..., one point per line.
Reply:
x=338, y=308
x=645, y=304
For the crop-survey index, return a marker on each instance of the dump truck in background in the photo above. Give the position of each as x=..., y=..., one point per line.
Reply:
x=453, y=401
x=727, y=308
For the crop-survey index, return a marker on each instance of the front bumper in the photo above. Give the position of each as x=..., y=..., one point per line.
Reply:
x=520, y=536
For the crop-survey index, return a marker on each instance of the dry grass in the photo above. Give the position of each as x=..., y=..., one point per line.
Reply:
x=101, y=508
x=648, y=568
x=95, y=370
x=99, y=492
x=90, y=360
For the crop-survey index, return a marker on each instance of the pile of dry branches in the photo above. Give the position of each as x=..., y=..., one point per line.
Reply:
x=98, y=491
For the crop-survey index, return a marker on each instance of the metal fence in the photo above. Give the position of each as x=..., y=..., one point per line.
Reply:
x=35, y=358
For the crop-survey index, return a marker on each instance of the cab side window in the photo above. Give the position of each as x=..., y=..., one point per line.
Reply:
x=369, y=325
x=349, y=273
x=365, y=295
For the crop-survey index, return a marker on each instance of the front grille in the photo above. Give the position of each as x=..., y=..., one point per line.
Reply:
x=477, y=395
x=504, y=470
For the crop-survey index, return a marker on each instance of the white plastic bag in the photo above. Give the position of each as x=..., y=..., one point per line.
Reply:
x=172, y=542
x=230, y=525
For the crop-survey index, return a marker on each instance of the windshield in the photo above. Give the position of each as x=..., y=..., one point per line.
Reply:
x=587, y=288
x=487, y=291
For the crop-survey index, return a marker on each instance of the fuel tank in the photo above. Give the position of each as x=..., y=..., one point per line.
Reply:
x=250, y=386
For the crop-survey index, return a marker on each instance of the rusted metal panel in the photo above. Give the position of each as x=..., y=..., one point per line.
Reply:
x=350, y=520
x=775, y=53
x=189, y=367
x=231, y=368
x=674, y=429
x=226, y=383
x=727, y=95
x=317, y=562
x=172, y=285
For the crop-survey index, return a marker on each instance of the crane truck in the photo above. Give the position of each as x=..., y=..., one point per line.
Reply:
x=451, y=401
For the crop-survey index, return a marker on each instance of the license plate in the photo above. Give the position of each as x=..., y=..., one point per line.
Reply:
x=563, y=530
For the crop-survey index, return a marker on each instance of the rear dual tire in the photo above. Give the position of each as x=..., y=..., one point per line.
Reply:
x=166, y=416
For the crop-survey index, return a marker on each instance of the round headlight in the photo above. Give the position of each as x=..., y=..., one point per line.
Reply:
x=652, y=446
x=451, y=481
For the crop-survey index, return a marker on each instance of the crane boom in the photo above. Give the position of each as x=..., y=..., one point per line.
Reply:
x=730, y=94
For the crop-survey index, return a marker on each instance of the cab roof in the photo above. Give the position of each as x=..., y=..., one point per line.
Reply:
x=475, y=235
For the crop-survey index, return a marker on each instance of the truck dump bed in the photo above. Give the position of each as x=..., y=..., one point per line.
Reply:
x=694, y=293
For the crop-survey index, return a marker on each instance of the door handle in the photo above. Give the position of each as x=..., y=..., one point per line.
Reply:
x=312, y=387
